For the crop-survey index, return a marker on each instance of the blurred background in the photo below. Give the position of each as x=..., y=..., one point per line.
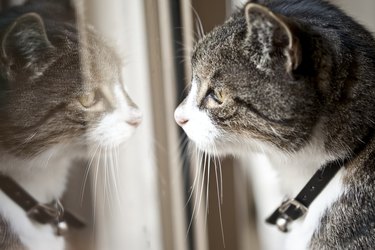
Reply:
x=157, y=207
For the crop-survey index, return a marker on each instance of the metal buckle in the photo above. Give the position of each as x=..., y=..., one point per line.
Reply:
x=284, y=220
x=49, y=213
x=43, y=213
x=293, y=202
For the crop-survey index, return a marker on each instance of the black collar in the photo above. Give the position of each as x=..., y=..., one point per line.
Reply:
x=293, y=209
x=51, y=213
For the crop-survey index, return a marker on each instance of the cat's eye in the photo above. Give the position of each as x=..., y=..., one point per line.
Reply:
x=88, y=100
x=216, y=96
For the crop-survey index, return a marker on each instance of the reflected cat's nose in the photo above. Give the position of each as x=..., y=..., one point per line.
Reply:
x=135, y=117
x=179, y=118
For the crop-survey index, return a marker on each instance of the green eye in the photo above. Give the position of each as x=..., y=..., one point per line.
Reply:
x=88, y=100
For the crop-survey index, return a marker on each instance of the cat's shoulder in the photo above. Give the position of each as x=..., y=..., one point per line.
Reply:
x=350, y=222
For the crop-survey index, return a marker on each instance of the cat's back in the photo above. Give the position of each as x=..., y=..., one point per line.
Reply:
x=328, y=21
x=318, y=13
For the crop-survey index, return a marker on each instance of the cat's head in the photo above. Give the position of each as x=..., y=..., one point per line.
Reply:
x=47, y=97
x=254, y=85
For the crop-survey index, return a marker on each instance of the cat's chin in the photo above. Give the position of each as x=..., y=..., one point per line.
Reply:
x=237, y=147
x=214, y=149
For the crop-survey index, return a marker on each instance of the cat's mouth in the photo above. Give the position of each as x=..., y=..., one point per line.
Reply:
x=211, y=146
x=230, y=144
x=210, y=149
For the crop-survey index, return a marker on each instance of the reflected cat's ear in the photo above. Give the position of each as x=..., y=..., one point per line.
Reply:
x=271, y=34
x=25, y=41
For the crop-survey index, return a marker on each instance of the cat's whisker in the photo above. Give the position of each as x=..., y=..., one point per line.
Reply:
x=216, y=165
x=112, y=181
x=181, y=147
x=219, y=193
x=199, y=23
x=96, y=184
x=199, y=33
x=183, y=154
x=112, y=178
x=198, y=176
x=203, y=181
x=207, y=190
x=117, y=166
x=87, y=171
x=117, y=158
x=105, y=169
x=221, y=181
x=113, y=175
x=194, y=37
x=183, y=48
x=49, y=158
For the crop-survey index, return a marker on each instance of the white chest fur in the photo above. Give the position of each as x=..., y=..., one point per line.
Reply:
x=294, y=173
x=44, y=178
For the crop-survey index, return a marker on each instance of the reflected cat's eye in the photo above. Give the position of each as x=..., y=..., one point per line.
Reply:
x=88, y=100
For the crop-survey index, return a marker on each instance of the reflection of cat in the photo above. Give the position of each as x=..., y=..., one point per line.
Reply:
x=49, y=114
x=294, y=79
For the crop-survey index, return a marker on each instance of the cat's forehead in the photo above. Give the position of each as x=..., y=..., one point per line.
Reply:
x=102, y=65
x=220, y=50
x=221, y=38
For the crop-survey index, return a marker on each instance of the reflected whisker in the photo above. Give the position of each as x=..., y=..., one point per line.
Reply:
x=87, y=172
x=96, y=183
x=112, y=173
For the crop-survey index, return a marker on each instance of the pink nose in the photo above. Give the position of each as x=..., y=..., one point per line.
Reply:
x=135, y=117
x=134, y=121
x=181, y=120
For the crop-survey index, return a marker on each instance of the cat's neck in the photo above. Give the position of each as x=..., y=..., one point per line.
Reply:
x=295, y=169
x=43, y=176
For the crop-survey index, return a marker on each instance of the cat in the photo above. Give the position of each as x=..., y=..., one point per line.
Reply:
x=294, y=79
x=51, y=109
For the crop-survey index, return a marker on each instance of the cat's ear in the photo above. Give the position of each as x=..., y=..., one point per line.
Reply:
x=25, y=41
x=271, y=34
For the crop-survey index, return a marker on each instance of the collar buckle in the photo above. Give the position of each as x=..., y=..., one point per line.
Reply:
x=293, y=203
x=49, y=213
x=288, y=212
x=46, y=213
x=293, y=209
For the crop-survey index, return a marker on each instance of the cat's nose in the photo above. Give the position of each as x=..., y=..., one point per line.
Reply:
x=181, y=121
x=179, y=118
x=135, y=117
